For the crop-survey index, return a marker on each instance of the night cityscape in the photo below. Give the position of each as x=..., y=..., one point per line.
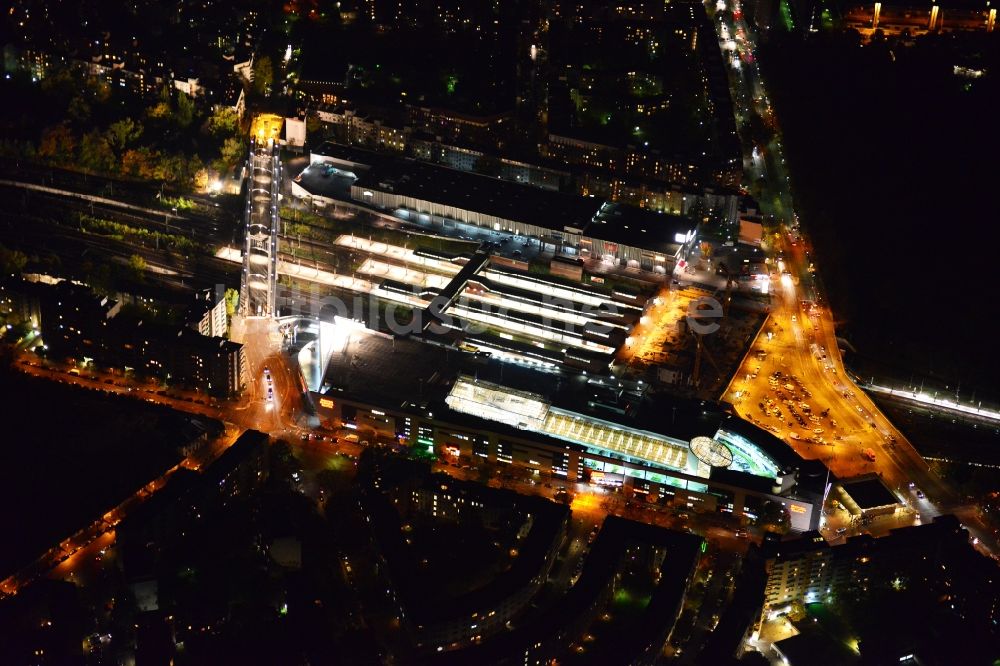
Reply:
x=515, y=332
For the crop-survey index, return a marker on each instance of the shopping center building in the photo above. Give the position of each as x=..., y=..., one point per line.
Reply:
x=575, y=427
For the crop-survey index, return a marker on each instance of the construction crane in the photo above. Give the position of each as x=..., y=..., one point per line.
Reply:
x=730, y=279
x=699, y=337
x=699, y=352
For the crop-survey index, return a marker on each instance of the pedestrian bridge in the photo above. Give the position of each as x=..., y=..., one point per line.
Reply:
x=260, y=251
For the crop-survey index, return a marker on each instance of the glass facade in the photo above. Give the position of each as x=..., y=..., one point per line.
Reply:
x=747, y=456
x=480, y=447
x=425, y=438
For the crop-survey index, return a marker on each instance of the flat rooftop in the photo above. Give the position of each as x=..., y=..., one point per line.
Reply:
x=324, y=181
x=574, y=611
x=373, y=368
x=639, y=227
x=508, y=200
x=868, y=492
x=815, y=648
x=469, y=191
x=422, y=598
x=558, y=408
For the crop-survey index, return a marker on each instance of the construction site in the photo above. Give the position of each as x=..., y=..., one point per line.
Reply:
x=685, y=338
x=691, y=339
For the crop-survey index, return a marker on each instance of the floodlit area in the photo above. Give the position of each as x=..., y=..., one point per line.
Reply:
x=261, y=220
x=549, y=333
x=552, y=311
x=551, y=289
x=532, y=412
x=420, y=279
x=524, y=357
x=573, y=318
x=330, y=338
x=329, y=278
x=397, y=253
x=582, y=299
x=659, y=330
x=404, y=274
x=562, y=325
x=497, y=403
x=266, y=126
x=374, y=288
x=593, y=432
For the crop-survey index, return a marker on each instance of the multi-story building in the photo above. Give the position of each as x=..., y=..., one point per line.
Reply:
x=205, y=37
x=74, y=322
x=139, y=77
x=808, y=568
x=345, y=124
x=492, y=131
x=72, y=317
x=561, y=223
x=665, y=557
x=207, y=315
x=804, y=570
x=617, y=115
x=535, y=527
x=621, y=161
x=362, y=129
x=636, y=176
x=586, y=430
x=35, y=63
x=181, y=355
x=240, y=469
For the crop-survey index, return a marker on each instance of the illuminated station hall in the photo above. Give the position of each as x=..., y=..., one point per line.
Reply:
x=581, y=428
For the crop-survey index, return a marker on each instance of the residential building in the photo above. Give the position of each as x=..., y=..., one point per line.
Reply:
x=207, y=315
x=181, y=355
x=669, y=558
x=809, y=568
x=491, y=131
x=75, y=322
x=535, y=527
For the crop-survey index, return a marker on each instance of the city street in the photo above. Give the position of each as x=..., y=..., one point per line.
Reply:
x=79, y=555
x=791, y=382
x=841, y=426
